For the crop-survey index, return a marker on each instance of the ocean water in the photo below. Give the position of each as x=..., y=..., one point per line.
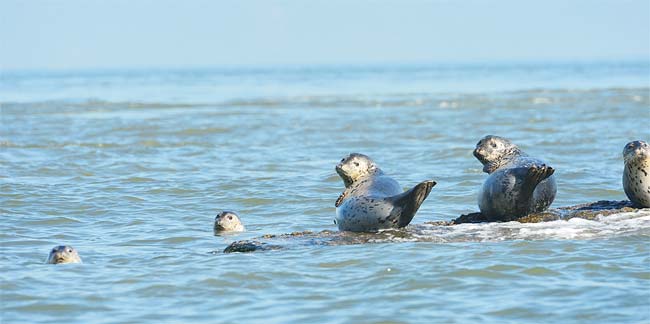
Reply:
x=131, y=167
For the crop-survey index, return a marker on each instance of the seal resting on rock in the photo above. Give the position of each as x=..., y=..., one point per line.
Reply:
x=636, y=175
x=517, y=184
x=63, y=254
x=227, y=221
x=372, y=200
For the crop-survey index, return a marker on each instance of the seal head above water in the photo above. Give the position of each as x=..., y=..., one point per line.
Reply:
x=228, y=221
x=372, y=200
x=636, y=174
x=517, y=184
x=63, y=254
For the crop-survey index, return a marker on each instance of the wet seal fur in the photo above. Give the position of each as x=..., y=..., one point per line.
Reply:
x=372, y=200
x=228, y=221
x=517, y=184
x=636, y=174
x=63, y=254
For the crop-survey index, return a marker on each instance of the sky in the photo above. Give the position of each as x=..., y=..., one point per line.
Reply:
x=83, y=34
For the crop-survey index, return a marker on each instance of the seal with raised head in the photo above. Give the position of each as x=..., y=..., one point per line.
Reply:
x=227, y=221
x=372, y=200
x=636, y=175
x=517, y=184
x=63, y=254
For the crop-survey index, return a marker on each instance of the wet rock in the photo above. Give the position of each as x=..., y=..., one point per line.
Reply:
x=546, y=216
x=293, y=234
x=470, y=218
x=439, y=223
x=588, y=211
x=591, y=211
x=249, y=246
x=434, y=231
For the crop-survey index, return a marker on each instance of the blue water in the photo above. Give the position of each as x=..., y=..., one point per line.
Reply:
x=130, y=168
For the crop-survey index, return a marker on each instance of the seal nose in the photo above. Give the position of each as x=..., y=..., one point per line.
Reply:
x=640, y=151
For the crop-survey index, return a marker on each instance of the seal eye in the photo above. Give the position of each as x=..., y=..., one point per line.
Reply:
x=356, y=163
x=343, y=159
x=494, y=145
x=69, y=250
x=230, y=217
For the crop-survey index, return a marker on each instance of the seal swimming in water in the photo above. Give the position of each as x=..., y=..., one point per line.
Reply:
x=63, y=254
x=517, y=184
x=372, y=200
x=227, y=221
x=636, y=175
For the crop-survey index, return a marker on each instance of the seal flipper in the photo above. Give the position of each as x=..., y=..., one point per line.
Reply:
x=407, y=203
x=340, y=199
x=530, y=177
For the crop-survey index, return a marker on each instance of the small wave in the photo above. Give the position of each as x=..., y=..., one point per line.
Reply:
x=363, y=100
x=203, y=131
x=138, y=180
x=62, y=220
x=621, y=224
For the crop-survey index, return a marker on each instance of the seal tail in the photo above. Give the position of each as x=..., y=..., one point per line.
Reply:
x=409, y=202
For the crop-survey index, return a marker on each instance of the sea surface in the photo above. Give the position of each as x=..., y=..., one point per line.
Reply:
x=131, y=166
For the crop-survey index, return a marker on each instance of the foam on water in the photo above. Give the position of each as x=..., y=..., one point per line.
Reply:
x=602, y=227
x=622, y=224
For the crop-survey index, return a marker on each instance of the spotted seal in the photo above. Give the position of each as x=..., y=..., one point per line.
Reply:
x=227, y=221
x=63, y=254
x=517, y=184
x=636, y=175
x=372, y=200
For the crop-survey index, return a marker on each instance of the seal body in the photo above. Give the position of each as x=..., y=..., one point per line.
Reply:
x=372, y=200
x=517, y=184
x=63, y=254
x=228, y=221
x=636, y=174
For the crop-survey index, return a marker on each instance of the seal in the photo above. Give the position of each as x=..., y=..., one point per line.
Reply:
x=63, y=254
x=636, y=174
x=517, y=184
x=372, y=200
x=227, y=221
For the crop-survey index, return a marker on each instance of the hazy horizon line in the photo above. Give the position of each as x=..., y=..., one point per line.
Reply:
x=317, y=65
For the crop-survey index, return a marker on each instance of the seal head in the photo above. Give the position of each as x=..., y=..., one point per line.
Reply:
x=227, y=221
x=63, y=254
x=494, y=152
x=636, y=174
x=354, y=167
x=636, y=150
